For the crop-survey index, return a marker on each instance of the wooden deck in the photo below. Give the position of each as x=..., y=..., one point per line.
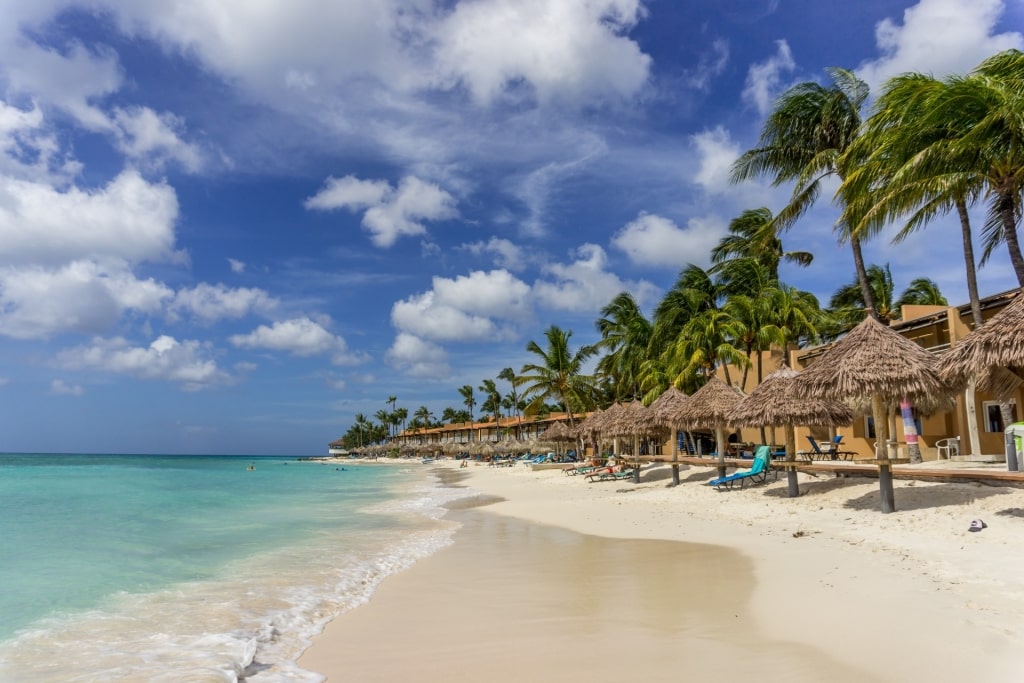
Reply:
x=900, y=470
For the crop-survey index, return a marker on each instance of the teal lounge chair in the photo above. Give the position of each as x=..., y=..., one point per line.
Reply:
x=758, y=472
x=603, y=474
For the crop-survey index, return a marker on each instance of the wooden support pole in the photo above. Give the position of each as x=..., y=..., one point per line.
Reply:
x=791, y=479
x=885, y=489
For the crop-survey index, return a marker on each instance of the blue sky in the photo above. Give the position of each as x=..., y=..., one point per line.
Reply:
x=229, y=226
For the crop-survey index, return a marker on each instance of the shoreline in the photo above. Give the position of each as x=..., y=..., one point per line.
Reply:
x=831, y=583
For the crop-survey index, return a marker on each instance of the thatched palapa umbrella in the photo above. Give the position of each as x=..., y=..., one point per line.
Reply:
x=873, y=360
x=558, y=434
x=587, y=430
x=666, y=409
x=634, y=421
x=709, y=408
x=606, y=425
x=994, y=355
x=993, y=352
x=772, y=405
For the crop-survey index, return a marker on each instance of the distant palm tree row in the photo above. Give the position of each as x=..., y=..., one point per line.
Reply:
x=928, y=148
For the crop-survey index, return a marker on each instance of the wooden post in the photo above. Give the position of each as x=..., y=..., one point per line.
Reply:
x=675, y=457
x=721, y=445
x=885, y=490
x=791, y=478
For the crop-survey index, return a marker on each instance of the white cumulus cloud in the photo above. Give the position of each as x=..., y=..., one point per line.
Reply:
x=473, y=307
x=938, y=37
x=717, y=153
x=390, y=212
x=765, y=79
x=187, y=362
x=653, y=240
x=211, y=303
x=507, y=255
x=81, y=296
x=568, y=51
x=585, y=285
x=300, y=337
x=129, y=218
x=152, y=138
x=418, y=358
x=59, y=387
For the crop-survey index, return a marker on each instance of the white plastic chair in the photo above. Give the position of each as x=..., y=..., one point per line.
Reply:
x=948, y=447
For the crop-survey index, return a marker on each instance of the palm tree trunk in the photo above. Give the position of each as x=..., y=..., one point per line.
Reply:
x=972, y=291
x=910, y=431
x=969, y=264
x=862, y=277
x=1007, y=214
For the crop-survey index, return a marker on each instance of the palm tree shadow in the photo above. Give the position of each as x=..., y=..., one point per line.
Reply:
x=907, y=497
x=937, y=496
x=808, y=488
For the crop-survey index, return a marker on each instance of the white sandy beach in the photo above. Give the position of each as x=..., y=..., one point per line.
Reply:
x=564, y=580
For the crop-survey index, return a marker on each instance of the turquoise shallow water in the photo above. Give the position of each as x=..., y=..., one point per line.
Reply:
x=194, y=568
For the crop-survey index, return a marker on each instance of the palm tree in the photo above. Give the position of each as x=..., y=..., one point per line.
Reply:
x=400, y=416
x=468, y=399
x=423, y=416
x=889, y=183
x=705, y=343
x=361, y=425
x=847, y=302
x=804, y=140
x=558, y=374
x=753, y=235
x=691, y=334
x=509, y=375
x=848, y=306
x=755, y=331
x=466, y=391
x=921, y=292
x=626, y=337
x=693, y=293
x=384, y=418
x=492, y=403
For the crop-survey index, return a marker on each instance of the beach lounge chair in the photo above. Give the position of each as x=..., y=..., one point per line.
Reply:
x=816, y=452
x=607, y=474
x=758, y=472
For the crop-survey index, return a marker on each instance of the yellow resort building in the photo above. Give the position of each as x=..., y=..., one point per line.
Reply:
x=943, y=428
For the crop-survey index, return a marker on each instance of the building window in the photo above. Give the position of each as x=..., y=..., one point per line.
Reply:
x=869, y=426
x=994, y=416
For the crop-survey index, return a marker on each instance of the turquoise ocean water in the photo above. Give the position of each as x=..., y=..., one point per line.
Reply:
x=195, y=568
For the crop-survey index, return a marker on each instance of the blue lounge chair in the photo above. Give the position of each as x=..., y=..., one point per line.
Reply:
x=757, y=473
x=816, y=453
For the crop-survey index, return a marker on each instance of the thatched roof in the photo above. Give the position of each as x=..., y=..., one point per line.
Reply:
x=632, y=419
x=993, y=352
x=710, y=406
x=591, y=424
x=871, y=360
x=666, y=408
x=607, y=419
x=769, y=405
x=558, y=432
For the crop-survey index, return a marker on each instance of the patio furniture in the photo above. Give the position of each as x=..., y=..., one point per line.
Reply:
x=948, y=448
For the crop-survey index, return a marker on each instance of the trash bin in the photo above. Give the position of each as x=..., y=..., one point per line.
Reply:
x=1014, y=435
